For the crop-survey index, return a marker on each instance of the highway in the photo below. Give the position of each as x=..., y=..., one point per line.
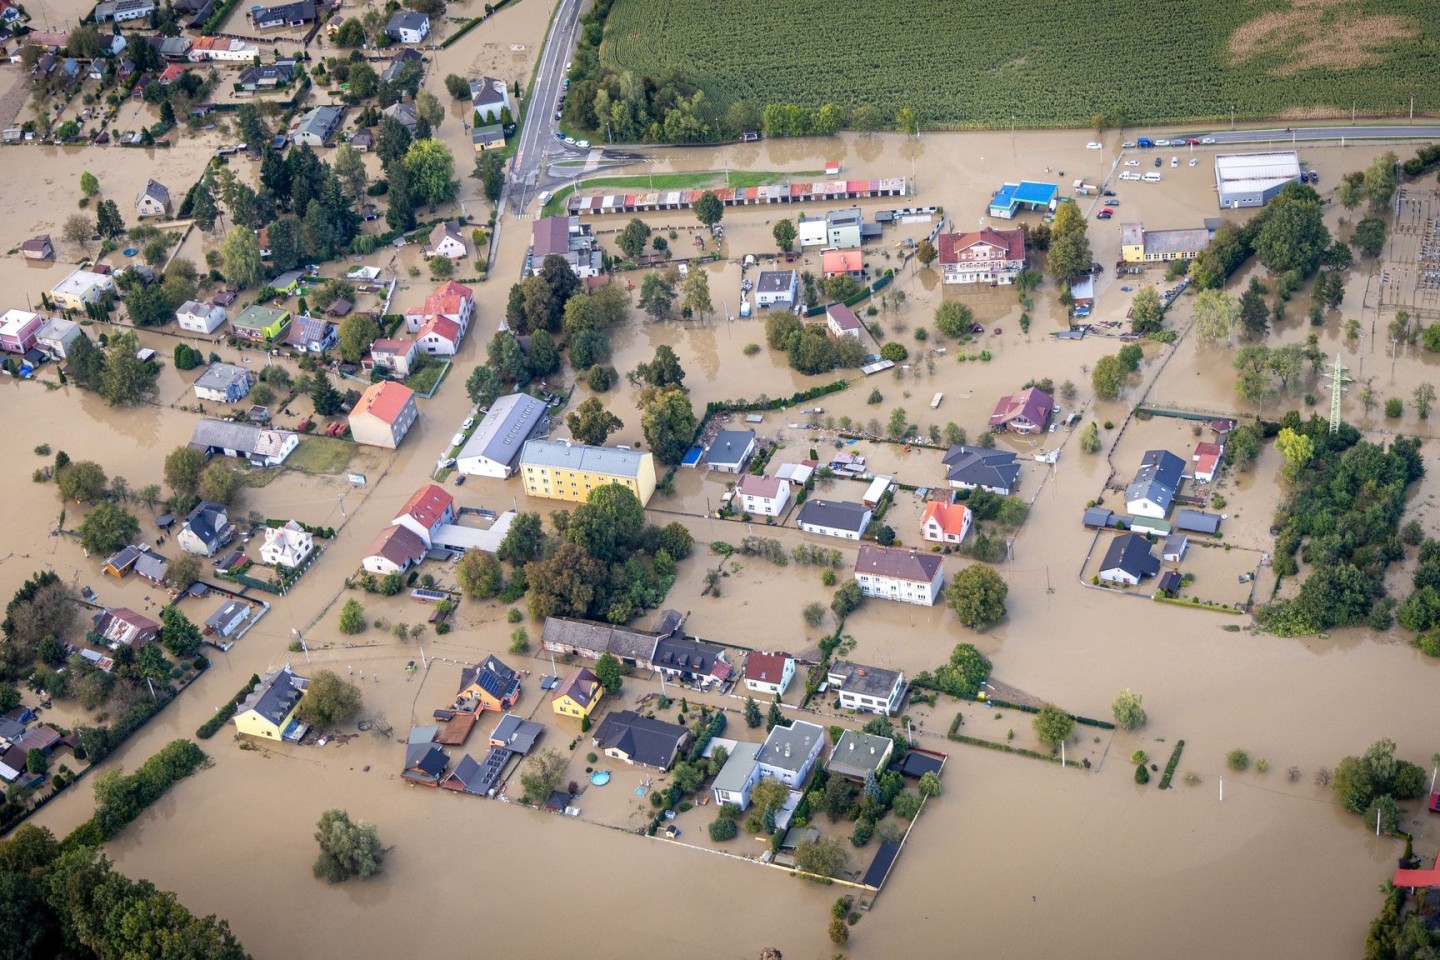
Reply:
x=1312, y=134
x=538, y=143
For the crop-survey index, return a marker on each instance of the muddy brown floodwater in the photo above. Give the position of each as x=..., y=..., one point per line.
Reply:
x=1019, y=858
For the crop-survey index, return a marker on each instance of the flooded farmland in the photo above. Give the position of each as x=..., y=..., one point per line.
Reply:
x=1018, y=856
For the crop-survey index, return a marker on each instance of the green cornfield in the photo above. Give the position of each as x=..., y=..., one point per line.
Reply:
x=1045, y=62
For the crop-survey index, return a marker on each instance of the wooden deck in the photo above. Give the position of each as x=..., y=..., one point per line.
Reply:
x=456, y=730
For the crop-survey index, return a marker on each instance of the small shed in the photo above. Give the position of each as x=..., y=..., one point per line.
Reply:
x=1174, y=549
x=877, y=489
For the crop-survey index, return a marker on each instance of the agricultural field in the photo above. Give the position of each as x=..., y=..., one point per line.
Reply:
x=1043, y=62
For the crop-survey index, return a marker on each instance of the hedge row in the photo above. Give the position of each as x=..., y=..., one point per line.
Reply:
x=1006, y=748
x=1026, y=708
x=125, y=798
x=779, y=403
x=222, y=716
x=1170, y=767
x=471, y=25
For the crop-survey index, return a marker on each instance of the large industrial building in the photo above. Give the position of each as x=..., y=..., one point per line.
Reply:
x=1253, y=179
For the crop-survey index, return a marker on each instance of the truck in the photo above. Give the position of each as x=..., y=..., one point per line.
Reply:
x=1144, y=143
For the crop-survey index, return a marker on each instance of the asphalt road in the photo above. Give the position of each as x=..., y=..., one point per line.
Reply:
x=537, y=136
x=1310, y=134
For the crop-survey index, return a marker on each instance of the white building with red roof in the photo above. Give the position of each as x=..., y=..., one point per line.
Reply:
x=452, y=300
x=983, y=256
x=769, y=673
x=1025, y=412
x=394, y=550
x=439, y=336
x=397, y=356
x=383, y=415
x=427, y=510
x=763, y=496
x=1207, y=459
x=945, y=522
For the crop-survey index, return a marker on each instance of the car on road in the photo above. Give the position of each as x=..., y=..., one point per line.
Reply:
x=1104, y=214
x=583, y=144
x=1094, y=145
x=1162, y=143
x=557, y=114
x=1158, y=161
x=1174, y=162
x=560, y=135
x=1112, y=203
x=1207, y=139
x=570, y=141
x=1132, y=163
x=1192, y=141
x=1194, y=161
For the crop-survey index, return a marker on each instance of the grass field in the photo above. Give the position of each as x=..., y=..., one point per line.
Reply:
x=675, y=181
x=1044, y=62
x=321, y=455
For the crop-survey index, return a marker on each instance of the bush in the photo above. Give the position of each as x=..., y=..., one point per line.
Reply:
x=1238, y=760
x=222, y=716
x=907, y=805
x=723, y=829
x=1142, y=776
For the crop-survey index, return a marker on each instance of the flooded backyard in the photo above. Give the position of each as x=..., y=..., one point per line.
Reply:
x=1019, y=857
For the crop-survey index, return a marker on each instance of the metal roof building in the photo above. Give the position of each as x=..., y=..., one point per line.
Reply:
x=1253, y=179
x=495, y=445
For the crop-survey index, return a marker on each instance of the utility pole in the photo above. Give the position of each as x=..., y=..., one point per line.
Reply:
x=1337, y=380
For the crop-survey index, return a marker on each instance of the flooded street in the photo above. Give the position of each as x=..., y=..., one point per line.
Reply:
x=1018, y=857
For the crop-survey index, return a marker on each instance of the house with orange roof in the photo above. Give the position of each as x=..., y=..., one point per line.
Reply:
x=397, y=356
x=427, y=510
x=1207, y=459
x=836, y=262
x=452, y=300
x=440, y=336
x=945, y=522
x=981, y=256
x=395, y=549
x=383, y=414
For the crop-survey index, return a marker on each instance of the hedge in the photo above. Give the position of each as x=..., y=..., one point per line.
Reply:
x=131, y=795
x=222, y=716
x=1170, y=767
x=1002, y=747
x=471, y=25
x=1026, y=708
x=779, y=403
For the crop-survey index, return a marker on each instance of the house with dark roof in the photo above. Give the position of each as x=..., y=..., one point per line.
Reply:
x=267, y=76
x=1128, y=560
x=223, y=383
x=311, y=334
x=841, y=321
x=858, y=754
x=577, y=695
x=465, y=778
x=490, y=686
x=407, y=26
x=1197, y=521
x=38, y=248
x=448, y=241
x=296, y=14
x=153, y=201
x=269, y=711
x=121, y=563
x=317, y=126
x=516, y=734
x=866, y=689
x=207, y=529
x=777, y=288
x=979, y=468
x=568, y=238
x=488, y=97
x=262, y=446
x=151, y=566
x=897, y=573
x=730, y=450
x=592, y=640
x=626, y=735
x=835, y=518
x=404, y=114
x=692, y=661
x=395, y=549
x=1157, y=481
x=425, y=764
x=768, y=673
x=1025, y=412
x=231, y=616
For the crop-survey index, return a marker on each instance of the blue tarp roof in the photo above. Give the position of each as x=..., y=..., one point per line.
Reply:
x=1026, y=191
x=693, y=457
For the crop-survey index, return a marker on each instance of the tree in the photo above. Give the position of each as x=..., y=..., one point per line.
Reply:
x=1380, y=179
x=525, y=540
x=78, y=229
x=1069, y=246
x=183, y=571
x=1424, y=397
x=1369, y=236
x=632, y=239
x=482, y=386
x=1090, y=438
x=203, y=209
x=350, y=168
x=774, y=718
x=352, y=34
x=543, y=357
x=723, y=828
x=1351, y=190
x=1293, y=236
x=177, y=633
x=240, y=258
x=89, y=185
x=696, y=291
x=954, y=318
x=657, y=296
x=108, y=222
x=356, y=333
x=182, y=469
x=490, y=171
x=1053, y=725
x=607, y=671
x=219, y=483
x=1297, y=448
x=346, y=849
x=1108, y=377
x=329, y=701
x=1217, y=316
x=564, y=584
x=838, y=799
x=1147, y=315
x=668, y=423
x=907, y=121
x=432, y=171
x=899, y=425
x=81, y=480
x=977, y=595
x=541, y=775
x=323, y=395
x=363, y=80
x=1128, y=713
x=457, y=86
x=708, y=209
x=352, y=617
x=824, y=857
x=784, y=234
x=107, y=528
x=929, y=785
x=753, y=718
x=428, y=106
x=847, y=599
x=479, y=575
x=1353, y=784
x=591, y=423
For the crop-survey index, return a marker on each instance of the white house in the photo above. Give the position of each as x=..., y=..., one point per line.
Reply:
x=789, y=753
x=730, y=450
x=286, y=546
x=984, y=256
x=740, y=773
x=894, y=573
x=841, y=321
x=776, y=288
x=447, y=241
x=769, y=673
x=439, y=337
x=1128, y=560
x=57, y=335
x=394, y=550
x=223, y=383
x=1157, y=481
x=494, y=447
x=153, y=201
x=945, y=522
x=407, y=26
x=197, y=317
x=866, y=689
x=834, y=518
x=489, y=97
x=763, y=496
x=427, y=510
x=810, y=232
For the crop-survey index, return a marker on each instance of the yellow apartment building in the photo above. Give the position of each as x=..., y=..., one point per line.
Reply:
x=561, y=470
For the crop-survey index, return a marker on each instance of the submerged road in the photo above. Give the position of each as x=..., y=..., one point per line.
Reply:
x=1311, y=134
x=538, y=132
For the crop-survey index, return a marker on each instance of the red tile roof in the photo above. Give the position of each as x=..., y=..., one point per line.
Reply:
x=765, y=487
x=427, y=505
x=383, y=400
x=765, y=667
x=951, y=517
x=400, y=545
x=952, y=244
x=441, y=326
x=1031, y=403
x=842, y=261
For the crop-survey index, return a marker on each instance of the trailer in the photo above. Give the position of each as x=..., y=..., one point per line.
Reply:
x=935, y=400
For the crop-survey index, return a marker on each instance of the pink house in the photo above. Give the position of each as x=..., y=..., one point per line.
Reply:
x=18, y=330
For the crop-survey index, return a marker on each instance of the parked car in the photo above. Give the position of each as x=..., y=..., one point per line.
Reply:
x=583, y=144
x=1128, y=145
x=1132, y=163
x=1127, y=175
x=1192, y=141
x=1105, y=214
x=1174, y=162
x=1094, y=145
x=1194, y=161
x=1107, y=193
x=469, y=422
x=1207, y=139
x=1144, y=143
x=570, y=141
x=1112, y=203
x=1162, y=143
x=1158, y=161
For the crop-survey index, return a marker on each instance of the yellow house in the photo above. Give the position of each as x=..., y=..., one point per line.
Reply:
x=1138, y=245
x=578, y=694
x=269, y=711
x=561, y=470
x=80, y=288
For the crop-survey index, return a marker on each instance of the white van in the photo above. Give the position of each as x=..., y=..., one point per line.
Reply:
x=1127, y=175
x=1151, y=177
x=544, y=197
x=1174, y=162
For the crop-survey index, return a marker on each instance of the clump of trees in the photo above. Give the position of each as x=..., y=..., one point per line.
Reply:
x=977, y=595
x=1128, y=713
x=961, y=676
x=1371, y=784
x=810, y=347
x=113, y=370
x=329, y=701
x=347, y=849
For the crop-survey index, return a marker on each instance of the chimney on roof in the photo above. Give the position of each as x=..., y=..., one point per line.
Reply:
x=787, y=751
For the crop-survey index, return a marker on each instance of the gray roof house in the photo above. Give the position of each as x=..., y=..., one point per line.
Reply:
x=405, y=114
x=273, y=700
x=1155, y=485
x=516, y=734
x=223, y=383
x=1197, y=521
x=866, y=689
x=153, y=201
x=267, y=76
x=833, y=518
x=488, y=97
x=733, y=782
x=262, y=446
x=295, y=14
x=152, y=566
x=317, y=126
x=730, y=450
x=494, y=447
x=789, y=753
x=970, y=468
x=692, y=661
x=626, y=735
x=586, y=638
x=407, y=26
x=207, y=529
x=1128, y=560
x=776, y=288
x=860, y=753
x=229, y=618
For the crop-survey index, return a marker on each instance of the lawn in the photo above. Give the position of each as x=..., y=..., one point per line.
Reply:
x=675, y=181
x=425, y=381
x=1045, y=63
x=322, y=455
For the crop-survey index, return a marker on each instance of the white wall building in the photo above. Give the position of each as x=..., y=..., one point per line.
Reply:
x=895, y=573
